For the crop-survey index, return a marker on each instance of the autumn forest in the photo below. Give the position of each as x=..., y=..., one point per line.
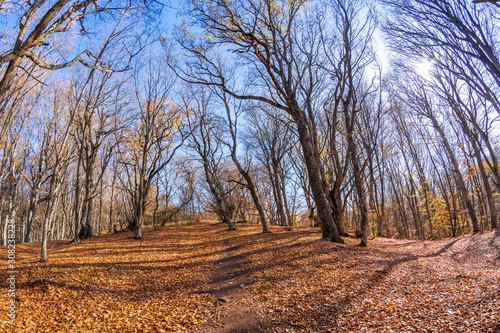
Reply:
x=249, y=166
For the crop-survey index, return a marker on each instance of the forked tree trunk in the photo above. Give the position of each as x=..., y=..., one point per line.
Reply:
x=278, y=196
x=337, y=209
x=328, y=227
x=360, y=190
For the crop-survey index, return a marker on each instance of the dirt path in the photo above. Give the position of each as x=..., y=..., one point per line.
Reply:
x=228, y=284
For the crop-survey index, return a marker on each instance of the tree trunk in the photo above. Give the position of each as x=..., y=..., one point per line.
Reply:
x=112, y=202
x=99, y=220
x=77, y=205
x=31, y=211
x=86, y=218
x=289, y=221
x=13, y=204
x=382, y=195
x=157, y=201
x=228, y=219
x=487, y=187
x=458, y=175
x=138, y=220
x=337, y=208
x=5, y=224
x=278, y=197
x=49, y=213
x=252, y=187
x=360, y=190
x=328, y=227
x=400, y=203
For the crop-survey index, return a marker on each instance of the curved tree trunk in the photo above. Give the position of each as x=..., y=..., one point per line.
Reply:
x=252, y=187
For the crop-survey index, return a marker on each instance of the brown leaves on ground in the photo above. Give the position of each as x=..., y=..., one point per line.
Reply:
x=298, y=283
x=114, y=283
x=451, y=285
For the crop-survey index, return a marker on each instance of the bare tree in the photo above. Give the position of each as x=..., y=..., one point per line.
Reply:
x=233, y=112
x=271, y=139
x=39, y=23
x=206, y=131
x=421, y=101
x=457, y=35
x=266, y=36
x=100, y=117
x=152, y=142
x=58, y=159
x=178, y=181
x=348, y=59
x=463, y=103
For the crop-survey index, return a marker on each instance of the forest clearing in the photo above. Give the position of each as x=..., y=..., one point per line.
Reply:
x=203, y=278
x=249, y=166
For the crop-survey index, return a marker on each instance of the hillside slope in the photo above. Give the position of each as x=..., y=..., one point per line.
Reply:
x=203, y=278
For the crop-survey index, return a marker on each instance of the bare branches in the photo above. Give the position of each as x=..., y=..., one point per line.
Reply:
x=78, y=58
x=265, y=35
x=38, y=27
x=494, y=2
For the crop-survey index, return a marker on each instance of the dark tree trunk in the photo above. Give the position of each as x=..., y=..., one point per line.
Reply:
x=328, y=227
x=360, y=189
x=337, y=209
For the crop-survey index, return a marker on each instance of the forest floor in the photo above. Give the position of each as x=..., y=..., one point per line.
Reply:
x=202, y=278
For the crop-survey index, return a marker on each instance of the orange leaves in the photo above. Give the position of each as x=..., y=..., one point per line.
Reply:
x=110, y=285
x=395, y=285
x=295, y=282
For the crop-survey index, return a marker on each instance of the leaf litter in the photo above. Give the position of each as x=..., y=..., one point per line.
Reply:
x=295, y=282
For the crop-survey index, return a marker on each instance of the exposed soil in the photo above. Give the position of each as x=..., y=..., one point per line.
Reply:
x=228, y=284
